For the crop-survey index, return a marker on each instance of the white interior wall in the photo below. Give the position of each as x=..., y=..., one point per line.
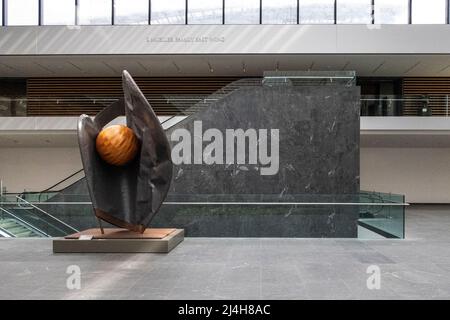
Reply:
x=225, y=39
x=422, y=174
x=36, y=169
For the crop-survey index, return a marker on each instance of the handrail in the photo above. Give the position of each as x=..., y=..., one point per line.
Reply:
x=48, y=214
x=26, y=223
x=65, y=179
x=375, y=204
x=6, y=234
x=48, y=190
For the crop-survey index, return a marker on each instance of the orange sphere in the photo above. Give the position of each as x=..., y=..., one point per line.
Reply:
x=117, y=145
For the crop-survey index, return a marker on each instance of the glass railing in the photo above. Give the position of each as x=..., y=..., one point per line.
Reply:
x=29, y=213
x=405, y=105
x=385, y=220
x=309, y=78
x=377, y=214
x=366, y=215
x=13, y=225
x=185, y=104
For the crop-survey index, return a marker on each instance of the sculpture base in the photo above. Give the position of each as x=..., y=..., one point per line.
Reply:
x=115, y=240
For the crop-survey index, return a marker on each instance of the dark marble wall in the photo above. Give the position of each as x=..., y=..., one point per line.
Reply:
x=318, y=161
x=318, y=148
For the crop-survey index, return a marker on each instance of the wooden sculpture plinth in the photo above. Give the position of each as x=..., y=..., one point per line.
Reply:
x=116, y=240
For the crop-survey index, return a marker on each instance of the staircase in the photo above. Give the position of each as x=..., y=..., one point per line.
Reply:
x=20, y=218
x=12, y=225
x=13, y=228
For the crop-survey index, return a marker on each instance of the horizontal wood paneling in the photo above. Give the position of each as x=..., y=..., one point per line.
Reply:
x=437, y=90
x=75, y=96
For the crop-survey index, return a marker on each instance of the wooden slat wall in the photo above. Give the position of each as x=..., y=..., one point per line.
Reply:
x=437, y=90
x=75, y=96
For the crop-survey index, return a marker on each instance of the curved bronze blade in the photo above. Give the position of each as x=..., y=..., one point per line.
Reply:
x=127, y=196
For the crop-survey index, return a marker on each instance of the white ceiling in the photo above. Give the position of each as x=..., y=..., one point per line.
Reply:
x=220, y=65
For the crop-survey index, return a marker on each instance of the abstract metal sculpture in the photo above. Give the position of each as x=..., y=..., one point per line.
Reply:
x=127, y=196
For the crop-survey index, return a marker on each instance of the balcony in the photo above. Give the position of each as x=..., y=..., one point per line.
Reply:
x=436, y=105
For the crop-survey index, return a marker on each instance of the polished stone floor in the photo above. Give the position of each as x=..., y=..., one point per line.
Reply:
x=205, y=268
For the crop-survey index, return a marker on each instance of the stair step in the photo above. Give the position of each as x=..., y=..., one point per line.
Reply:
x=7, y=224
x=22, y=220
x=17, y=229
x=22, y=234
x=26, y=234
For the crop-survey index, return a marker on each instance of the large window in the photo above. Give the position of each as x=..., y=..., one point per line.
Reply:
x=168, y=12
x=205, y=11
x=428, y=11
x=316, y=11
x=354, y=11
x=131, y=12
x=58, y=12
x=99, y=12
x=22, y=12
x=279, y=11
x=242, y=11
x=94, y=11
x=391, y=11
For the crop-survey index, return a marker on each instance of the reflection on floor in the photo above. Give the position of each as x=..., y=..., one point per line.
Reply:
x=200, y=268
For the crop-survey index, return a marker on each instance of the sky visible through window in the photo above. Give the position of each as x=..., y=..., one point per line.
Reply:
x=391, y=11
x=428, y=11
x=205, y=11
x=95, y=12
x=131, y=12
x=279, y=11
x=58, y=12
x=22, y=12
